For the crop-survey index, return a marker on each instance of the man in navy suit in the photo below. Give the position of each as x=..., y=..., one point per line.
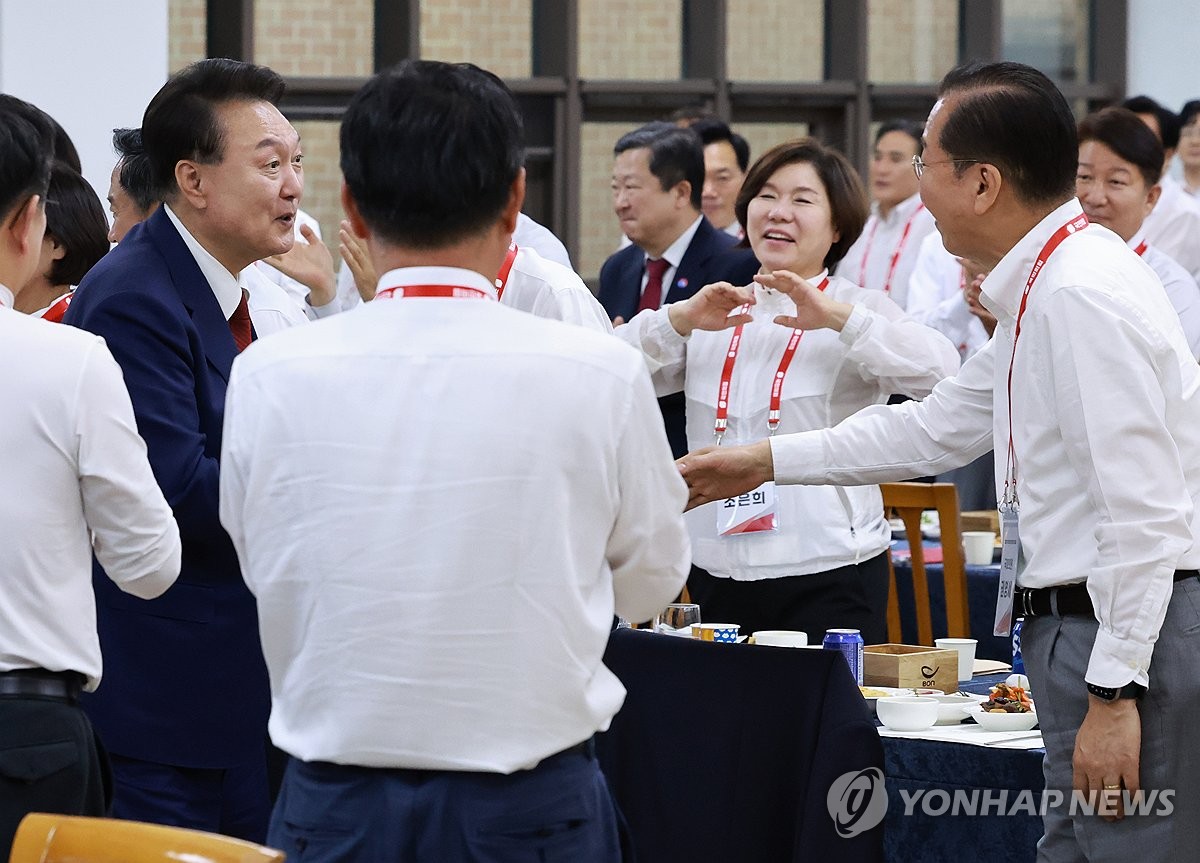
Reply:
x=184, y=703
x=658, y=179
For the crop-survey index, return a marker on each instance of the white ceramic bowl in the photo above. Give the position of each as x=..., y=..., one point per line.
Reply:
x=950, y=707
x=781, y=638
x=1001, y=721
x=907, y=712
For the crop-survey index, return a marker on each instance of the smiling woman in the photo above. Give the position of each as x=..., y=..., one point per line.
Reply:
x=816, y=350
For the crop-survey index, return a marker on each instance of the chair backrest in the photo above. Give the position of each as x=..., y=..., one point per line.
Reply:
x=908, y=500
x=45, y=838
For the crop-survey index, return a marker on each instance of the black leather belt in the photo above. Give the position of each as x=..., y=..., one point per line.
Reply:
x=40, y=683
x=1070, y=600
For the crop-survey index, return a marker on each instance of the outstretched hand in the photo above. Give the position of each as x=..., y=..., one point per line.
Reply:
x=720, y=472
x=714, y=307
x=354, y=252
x=310, y=264
x=814, y=309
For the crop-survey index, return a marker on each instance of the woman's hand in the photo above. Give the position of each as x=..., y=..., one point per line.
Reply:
x=354, y=253
x=310, y=264
x=814, y=310
x=711, y=308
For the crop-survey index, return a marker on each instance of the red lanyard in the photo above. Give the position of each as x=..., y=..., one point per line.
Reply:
x=1010, y=474
x=899, y=250
x=1141, y=249
x=502, y=276
x=457, y=292
x=735, y=343
x=54, y=314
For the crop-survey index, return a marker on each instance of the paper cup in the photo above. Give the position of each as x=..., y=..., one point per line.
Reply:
x=725, y=633
x=966, y=654
x=978, y=547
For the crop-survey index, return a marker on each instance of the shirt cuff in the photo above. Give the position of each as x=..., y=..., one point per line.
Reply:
x=330, y=308
x=856, y=324
x=798, y=458
x=1117, y=661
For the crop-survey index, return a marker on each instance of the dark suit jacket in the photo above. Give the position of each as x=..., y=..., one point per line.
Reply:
x=710, y=257
x=184, y=679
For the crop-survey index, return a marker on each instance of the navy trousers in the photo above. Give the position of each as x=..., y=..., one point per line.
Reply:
x=560, y=810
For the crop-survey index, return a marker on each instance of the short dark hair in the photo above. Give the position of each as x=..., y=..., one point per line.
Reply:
x=181, y=121
x=676, y=154
x=60, y=145
x=843, y=187
x=134, y=172
x=26, y=150
x=712, y=131
x=911, y=128
x=430, y=151
x=1013, y=116
x=691, y=114
x=1125, y=134
x=1168, y=121
x=76, y=220
x=1189, y=112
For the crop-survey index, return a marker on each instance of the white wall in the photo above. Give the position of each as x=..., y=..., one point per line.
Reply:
x=93, y=65
x=1164, y=49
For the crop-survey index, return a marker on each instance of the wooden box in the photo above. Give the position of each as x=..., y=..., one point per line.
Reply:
x=910, y=666
x=988, y=519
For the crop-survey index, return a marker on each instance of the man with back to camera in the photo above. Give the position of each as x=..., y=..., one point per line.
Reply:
x=74, y=477
x=1103, y=473
x=436, y=662
x=184, y=706
x=658, y=180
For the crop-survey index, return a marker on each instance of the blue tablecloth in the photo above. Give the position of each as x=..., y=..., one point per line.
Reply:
x=982, y=584
x=922, y=766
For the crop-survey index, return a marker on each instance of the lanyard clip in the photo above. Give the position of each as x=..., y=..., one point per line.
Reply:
x=772, y=422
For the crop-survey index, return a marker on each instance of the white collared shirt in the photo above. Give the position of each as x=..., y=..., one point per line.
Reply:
x=1106, y=426
x=501, y=484
x=74, y=480
x=879, y=352
x=226, y=287
x=1173, y=226
x=935, y=297
x=881, y=237
x=549, y=290
x=673, y=256
x=1181, y=288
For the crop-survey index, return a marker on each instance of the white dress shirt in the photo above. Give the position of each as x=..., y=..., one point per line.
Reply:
x=536, y=236
x=295, y=291
x=74, y=480
x=501, y=483
x=880, y=351
x=881, y=237
x=1106, y=426
x=935, y=297
x=1181, y=288
x=1173, y=226
x=549, y=290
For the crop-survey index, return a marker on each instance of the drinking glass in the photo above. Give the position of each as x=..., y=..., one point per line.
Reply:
x=680, y=615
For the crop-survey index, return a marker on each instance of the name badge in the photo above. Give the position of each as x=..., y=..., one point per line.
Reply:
x=1010, y=550
x=753, y=512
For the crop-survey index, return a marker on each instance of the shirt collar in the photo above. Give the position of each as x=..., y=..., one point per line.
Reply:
x=900, y=213
x=675, y=252
x=226, y=287
x=1003, y=287
x=1138, y=238
x=406, y=276
x=6, y=297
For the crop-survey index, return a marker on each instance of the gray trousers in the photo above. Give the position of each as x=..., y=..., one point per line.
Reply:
x=1056, y=651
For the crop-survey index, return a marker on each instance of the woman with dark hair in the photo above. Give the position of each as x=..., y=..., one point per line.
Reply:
x=76, y=238
x=818, y=349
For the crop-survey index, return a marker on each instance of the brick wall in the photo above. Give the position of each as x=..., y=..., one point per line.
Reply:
x=911, y=40
x=494, y=34
x=630, y=39
x=314, y=37
x=775, y=40
x=322, y=178
x=185, y=26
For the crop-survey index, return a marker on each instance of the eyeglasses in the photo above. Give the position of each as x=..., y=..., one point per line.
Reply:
x=919, y=164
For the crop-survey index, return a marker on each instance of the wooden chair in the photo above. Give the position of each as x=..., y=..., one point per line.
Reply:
x=908, y=500
x=44, y=838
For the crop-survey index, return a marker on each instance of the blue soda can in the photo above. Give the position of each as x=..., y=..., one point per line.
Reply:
x=1018, y=662
x=850, y=643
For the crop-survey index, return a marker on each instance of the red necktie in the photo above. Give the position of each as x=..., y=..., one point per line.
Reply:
x=239, y=325
x=653, y=295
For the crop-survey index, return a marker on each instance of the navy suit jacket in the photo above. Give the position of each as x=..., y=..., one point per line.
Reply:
x=184, y=680
x=711, y=256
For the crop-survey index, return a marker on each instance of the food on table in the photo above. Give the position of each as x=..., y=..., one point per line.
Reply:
x=1008, y=699
x=868, y=692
